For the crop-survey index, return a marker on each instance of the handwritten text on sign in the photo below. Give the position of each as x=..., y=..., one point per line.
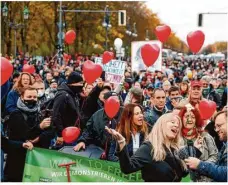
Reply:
x=114, y=70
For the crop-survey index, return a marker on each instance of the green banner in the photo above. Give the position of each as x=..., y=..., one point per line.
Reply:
x=41, y=165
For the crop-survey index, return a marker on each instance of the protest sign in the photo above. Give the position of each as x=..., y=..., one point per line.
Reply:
x=114, y=70
x=136, y=59
x=41, y=165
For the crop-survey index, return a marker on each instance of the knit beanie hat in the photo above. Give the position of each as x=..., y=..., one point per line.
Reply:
x=74, y=77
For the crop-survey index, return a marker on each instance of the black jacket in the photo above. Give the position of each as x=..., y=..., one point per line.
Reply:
x=91, y=104
x=214, y=96
x=113, y=147
x=20, y=130
x=95, y=129
x=65, y=109
x=169, y=170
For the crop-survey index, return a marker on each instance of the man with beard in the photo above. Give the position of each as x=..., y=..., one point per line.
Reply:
x=52, y=90
x=66, y=105
x=217, y=171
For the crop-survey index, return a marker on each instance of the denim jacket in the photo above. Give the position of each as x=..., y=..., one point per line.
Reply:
x=217, y=171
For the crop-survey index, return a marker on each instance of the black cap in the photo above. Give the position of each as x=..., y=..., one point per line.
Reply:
x=74, y=77
x=53, y=81
x=109, y=94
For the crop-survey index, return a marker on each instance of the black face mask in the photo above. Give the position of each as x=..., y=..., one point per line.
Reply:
x=30, y=103
x=76, y=89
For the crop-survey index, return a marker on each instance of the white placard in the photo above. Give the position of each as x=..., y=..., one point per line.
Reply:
x=136, y=59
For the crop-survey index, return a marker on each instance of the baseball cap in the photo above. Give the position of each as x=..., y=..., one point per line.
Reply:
x=150, y=86
x=107, y=95
x=196, y=83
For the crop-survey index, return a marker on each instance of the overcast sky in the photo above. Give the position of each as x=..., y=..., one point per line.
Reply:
x=182, y=17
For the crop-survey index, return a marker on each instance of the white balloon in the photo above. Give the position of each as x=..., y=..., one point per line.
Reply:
x=118, y=43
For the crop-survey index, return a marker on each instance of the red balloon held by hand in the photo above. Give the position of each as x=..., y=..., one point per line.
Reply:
x=150, y=54
x=91, y=71
x=70, y=37
x=28, y=68
x=111, y=107
x=70, y=134
x=195, y=40
x=6, y=70
x=207, y=109
x=107, y=57
x=163, y=32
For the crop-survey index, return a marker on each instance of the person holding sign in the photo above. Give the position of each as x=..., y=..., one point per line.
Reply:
x=156, y=157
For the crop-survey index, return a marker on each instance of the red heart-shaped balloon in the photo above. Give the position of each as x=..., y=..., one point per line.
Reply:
x=28, y=68
x=70, y=37
x=195, y=40
x=163, y=32
x=70, y=134
x=207, y=109
x=111, y=107
x=107, y=57
x=150, y=54
x=91, y=71
x=6, y=70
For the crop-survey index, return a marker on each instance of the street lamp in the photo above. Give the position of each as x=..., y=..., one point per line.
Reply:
x=147, y=35
x=106, y=24
x=26, y=13
x=131, y=33
x=13, y=25
x=5, y=10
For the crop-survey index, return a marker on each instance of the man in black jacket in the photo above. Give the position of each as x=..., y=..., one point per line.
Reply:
x=95, y=128
x=66, y=105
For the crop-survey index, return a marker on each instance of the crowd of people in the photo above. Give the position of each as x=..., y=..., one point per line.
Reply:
x=158, y=128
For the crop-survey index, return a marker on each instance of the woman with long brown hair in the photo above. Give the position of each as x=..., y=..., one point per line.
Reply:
x=133, y=127
x=24, y=81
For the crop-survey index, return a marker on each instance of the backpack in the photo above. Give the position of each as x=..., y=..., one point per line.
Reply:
x=47, y=107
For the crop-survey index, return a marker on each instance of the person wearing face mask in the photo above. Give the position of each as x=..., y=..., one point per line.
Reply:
x=40, y=87
x=52, y=90
x=66, y=105
x=24, y=124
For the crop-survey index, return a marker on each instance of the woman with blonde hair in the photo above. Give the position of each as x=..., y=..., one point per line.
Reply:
x=23, y=82
x=156, y=157
x=133, y=127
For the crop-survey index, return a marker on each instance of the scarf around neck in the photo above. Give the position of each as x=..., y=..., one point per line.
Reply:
x=23, y=107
